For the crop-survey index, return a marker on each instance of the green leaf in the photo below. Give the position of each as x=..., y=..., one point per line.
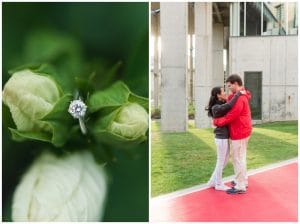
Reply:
x=23, y=135
x=117, y=140
x=144, y=102
x=103, y=134
x=116, y=95
x=35, y=67
x=60, y=110
x=59, y=121
x=85, y=86
x=60, y=133
x=106, y=118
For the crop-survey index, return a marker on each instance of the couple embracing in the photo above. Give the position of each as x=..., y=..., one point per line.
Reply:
x=232, y=118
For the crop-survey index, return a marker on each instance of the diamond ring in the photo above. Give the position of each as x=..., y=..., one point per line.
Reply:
x=77, y=109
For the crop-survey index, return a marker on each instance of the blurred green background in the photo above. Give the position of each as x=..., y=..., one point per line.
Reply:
x=109, y=39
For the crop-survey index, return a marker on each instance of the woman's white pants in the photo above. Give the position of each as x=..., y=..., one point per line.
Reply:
x=222, y=159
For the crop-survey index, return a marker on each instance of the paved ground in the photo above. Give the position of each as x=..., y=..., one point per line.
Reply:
x=271, y=196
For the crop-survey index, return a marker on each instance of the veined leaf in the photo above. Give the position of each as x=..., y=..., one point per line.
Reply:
x=117, y=140
x=60, y=110
x=59, y=121
x=23, y=135
x=116, y=95
x=144, y=102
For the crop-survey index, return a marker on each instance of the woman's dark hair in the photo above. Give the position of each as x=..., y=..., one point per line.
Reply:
x=213, y=99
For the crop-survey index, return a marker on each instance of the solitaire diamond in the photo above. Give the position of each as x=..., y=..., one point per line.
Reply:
x=77, y=108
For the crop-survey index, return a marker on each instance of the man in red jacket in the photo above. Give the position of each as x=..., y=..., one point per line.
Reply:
x=240, y=128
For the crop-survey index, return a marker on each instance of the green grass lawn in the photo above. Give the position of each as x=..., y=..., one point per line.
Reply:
x=181, y=160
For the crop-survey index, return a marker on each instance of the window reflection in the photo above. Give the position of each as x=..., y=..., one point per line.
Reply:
x=242, y=14
x=292, y=18
x=274, y=18
x=265, y=18
x=253, y=18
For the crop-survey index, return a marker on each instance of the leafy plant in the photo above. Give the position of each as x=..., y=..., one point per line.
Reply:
x=98, y=65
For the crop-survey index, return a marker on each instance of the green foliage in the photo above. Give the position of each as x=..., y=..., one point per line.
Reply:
x=86, y=47
x=139, y=57
x=110, y=102
x=114, y=96
x=59, y=121
x=191, y=111
x=117, y=140
x=155, y=113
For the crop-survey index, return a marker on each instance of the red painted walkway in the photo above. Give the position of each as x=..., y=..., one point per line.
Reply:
x=271, y=196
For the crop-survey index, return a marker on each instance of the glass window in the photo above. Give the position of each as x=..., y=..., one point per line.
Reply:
x=253, y=82
x=253, y=18
x=263, y=18
x=242, y=13
x=292, y=18
x=280, y=11
x=274, y=19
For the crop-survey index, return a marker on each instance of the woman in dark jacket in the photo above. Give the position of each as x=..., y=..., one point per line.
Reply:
x=217, y=107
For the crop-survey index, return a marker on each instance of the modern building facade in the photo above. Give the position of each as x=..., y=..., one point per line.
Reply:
x=197, y=45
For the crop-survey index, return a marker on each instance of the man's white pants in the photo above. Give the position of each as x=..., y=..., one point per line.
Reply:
x=239, y=152
x=222, y=159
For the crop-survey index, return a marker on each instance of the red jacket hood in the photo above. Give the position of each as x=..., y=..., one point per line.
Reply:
x=247, y=94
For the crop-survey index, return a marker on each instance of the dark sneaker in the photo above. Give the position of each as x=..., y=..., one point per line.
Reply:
x=233, y=183
x=235, y=191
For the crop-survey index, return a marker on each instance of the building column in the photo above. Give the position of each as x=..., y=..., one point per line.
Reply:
x=235, y=19
x=156, y=89
x=217, y=62
x=203, y=62
x=226, y=46
x=190, y=79
x=173, y=29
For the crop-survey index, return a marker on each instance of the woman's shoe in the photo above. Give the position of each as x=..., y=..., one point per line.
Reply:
x=233, y=183
x=222, y=187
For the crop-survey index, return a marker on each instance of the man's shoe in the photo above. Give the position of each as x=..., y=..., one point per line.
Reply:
x=233, y=183
x=222, y=187
x=235, y=191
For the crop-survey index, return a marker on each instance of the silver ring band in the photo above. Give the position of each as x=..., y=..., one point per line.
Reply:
x=82, y=125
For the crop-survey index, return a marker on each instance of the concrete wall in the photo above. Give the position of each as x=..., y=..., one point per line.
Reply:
x=277, y=58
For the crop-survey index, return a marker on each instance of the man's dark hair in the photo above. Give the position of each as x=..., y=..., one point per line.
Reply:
x=234, y=78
